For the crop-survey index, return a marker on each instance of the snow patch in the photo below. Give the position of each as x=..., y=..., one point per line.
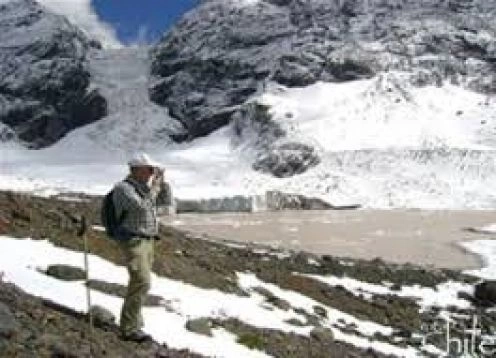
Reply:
x=443, y=295
x=22, y=260
x=486, y=249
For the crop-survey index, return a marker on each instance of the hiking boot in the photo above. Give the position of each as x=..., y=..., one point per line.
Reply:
x=138, y=337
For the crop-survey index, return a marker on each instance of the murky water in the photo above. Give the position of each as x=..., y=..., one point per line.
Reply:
x=417, y=236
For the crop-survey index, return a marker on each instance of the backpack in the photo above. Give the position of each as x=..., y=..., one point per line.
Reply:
x=109, y=219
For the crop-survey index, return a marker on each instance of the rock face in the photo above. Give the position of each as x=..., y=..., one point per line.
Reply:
x=225, y=51
x=44, y=82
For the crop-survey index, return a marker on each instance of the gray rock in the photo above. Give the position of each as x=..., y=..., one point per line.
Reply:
x=200, y=325
x=287, y=160
x=295, y=322
x=320, y=311
x=322, y=335
x=313, y=320
x=485, y=293
x=102, y=316
x=222, y=52
x=44, y=81
x=8, y=324
x=273, y=299
x=65, y=272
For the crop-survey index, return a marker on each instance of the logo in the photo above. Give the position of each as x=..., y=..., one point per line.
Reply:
x=465, y=337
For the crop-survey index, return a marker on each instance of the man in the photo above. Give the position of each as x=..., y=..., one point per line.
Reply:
x=135, y=201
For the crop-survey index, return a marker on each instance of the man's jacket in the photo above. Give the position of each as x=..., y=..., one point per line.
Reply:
x=136, y=204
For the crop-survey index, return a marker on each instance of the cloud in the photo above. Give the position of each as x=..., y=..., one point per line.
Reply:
x=82, y=14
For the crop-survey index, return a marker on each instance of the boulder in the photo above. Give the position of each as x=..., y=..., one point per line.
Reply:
x=66, y=272
x=201, y=326
x=320, y=311
x=102, y=316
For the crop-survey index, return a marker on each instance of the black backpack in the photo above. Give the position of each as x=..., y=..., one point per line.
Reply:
x=109, y=219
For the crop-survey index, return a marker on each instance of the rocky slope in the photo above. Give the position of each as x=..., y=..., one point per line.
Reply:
x=33, y=327
x=224, y=52
x=211, y=264
x=44, y=77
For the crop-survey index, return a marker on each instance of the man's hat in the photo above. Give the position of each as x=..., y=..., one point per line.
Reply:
x=143, y=160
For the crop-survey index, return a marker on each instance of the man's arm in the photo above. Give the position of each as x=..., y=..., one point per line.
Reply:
x=164, y=196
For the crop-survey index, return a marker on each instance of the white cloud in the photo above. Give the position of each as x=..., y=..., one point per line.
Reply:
x=82, y=14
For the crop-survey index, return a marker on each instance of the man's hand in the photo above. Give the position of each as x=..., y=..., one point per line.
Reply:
x=157, y=180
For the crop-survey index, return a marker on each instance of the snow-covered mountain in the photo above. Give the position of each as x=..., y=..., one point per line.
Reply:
x=44, y=78
x=223, y=52
x=382, y=103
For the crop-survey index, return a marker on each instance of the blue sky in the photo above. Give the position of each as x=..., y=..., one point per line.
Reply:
x=141, y=19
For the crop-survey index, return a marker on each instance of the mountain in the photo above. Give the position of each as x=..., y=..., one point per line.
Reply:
x=224, y=52
x=44, y=79
x=382, y=103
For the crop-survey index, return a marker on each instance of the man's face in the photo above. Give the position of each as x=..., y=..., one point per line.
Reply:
x=143, y=174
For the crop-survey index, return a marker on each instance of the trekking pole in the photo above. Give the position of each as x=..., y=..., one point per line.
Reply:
x=82, y=233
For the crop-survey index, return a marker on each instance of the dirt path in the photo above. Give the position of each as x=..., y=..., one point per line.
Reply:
x=416, y=236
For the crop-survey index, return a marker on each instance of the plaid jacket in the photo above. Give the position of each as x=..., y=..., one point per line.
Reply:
x=137, y=204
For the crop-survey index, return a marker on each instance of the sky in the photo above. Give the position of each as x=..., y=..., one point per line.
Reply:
x=141, y=21
x=121, y=22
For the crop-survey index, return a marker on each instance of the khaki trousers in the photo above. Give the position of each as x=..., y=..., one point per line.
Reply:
x=138, y=253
